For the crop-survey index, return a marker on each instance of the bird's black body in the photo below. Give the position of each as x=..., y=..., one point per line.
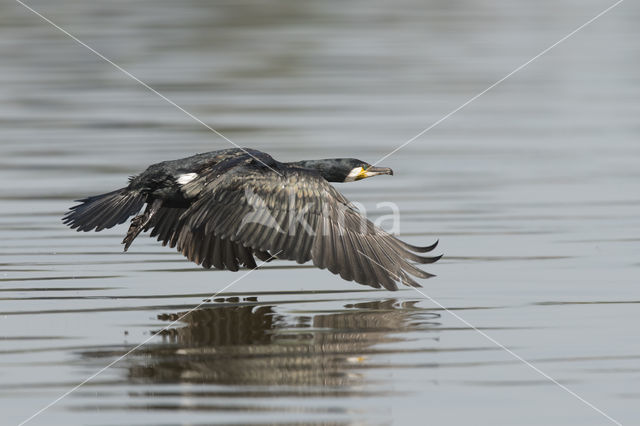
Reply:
x=223, y=208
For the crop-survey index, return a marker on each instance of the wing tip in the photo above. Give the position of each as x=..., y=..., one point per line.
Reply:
x=421, y=249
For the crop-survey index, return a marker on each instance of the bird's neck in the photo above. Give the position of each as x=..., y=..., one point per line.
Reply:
x=326, y=168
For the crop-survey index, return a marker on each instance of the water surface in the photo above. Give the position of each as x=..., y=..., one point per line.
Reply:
x=532, y=190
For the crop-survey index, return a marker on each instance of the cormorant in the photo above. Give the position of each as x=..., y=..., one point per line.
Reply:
x=222, y=208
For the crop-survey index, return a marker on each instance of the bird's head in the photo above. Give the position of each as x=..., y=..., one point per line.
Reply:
x=343, y=169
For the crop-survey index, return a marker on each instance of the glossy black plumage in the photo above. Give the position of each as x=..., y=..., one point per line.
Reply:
x=224, y=208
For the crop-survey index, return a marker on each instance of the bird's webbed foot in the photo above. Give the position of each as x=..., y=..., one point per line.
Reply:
x=139, y=223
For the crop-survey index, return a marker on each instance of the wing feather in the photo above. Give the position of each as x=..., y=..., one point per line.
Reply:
x=249, y=211
x=104, y=211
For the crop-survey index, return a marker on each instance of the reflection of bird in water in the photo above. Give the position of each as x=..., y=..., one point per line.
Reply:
x=222, y=208
x=251, y=344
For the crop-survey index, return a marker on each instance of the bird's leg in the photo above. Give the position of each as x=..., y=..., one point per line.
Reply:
x=139, y=222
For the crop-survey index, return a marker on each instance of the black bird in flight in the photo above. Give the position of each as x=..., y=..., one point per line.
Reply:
x=222, y=208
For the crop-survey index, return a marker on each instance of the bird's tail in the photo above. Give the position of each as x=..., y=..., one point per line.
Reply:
x=104, y=211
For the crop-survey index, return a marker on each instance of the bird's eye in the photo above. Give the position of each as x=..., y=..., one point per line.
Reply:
x=365, y=166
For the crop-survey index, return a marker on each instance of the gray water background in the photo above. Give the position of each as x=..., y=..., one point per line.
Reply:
x=533, y=190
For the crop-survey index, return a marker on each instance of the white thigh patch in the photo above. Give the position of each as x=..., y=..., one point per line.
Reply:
x=186, y=178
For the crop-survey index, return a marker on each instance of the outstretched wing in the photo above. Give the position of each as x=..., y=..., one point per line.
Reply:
x=208, y=250
x=296, y=215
